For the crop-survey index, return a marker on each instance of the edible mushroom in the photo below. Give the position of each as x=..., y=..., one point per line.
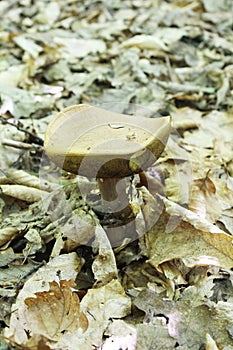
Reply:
x=105, y=145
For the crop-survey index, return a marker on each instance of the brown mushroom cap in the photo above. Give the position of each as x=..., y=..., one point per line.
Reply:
x=95, y=142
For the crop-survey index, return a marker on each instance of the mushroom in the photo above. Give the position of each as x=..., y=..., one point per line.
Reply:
x=105, y=145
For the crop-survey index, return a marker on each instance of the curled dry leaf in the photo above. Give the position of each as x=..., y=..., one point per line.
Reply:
x=7, y=234
x=21, y=177
x=23, y=193
x=9, y=156
x=55, y=311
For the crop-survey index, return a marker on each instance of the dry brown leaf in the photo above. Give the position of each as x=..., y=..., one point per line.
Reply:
x=7, y=234
x=203, y=200
x=56, y=311
x=63, y=267
x=23, y=193
x=180, y=233
x=100, y=305
x=21, y=177
x=37, y=342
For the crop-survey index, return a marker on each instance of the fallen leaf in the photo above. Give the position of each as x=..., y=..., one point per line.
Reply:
x=54, y=312
x=117, y=342
x=12, y=76
x=179, y=320
x=9, y=155
x=72, y=47
x=21, y=177
x=7, y=234
x=183, y=234
x=213, y=6
x=28, y=45
x=24, y=193
x=203, y=199
x=100, y=305
x=65, y=266
x=104, y=266
x=145, y=42
x=210, y=343
x=154, y=336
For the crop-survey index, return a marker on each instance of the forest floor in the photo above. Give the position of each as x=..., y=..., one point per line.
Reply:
x=65, y=280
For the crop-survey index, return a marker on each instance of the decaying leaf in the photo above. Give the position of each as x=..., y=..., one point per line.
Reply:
x=189, y=237
x=72, y=47
x=203, y=200
x=154, y=336
x=174, y=57
x=7, y=234
x=56, y=311
x=65, y=266
x=28, y=45
x=100, y=305
x=120, y=334
x=119, y=342
x=104, y=266
x=182, y=322
x=9, y=155
x=145, y=42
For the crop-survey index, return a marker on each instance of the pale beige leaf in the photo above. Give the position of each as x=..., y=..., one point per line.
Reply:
x=189, y=237
x=203, y=199
x=104, y=266
x=9, y=155
x=117, y=342
x=12, y=76
x=23, y=193
x=145, y=42
x=7, y=234
x=28, y=45
x=21, y=177
x=72, y=47
x=210, y=343
x=109, y=301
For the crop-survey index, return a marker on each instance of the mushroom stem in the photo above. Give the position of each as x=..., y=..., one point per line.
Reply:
x=107, y=188
x=113, y=193
x=115, y=206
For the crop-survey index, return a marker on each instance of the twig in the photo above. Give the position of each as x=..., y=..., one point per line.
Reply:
x=17, y=144
x=32, y=137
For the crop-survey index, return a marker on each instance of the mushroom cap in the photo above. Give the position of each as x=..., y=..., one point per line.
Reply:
x=98, y=143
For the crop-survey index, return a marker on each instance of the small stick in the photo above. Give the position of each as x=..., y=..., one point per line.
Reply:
x=33, y=138
x=17, y=144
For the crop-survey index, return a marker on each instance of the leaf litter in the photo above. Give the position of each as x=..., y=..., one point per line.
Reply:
x=172, y=286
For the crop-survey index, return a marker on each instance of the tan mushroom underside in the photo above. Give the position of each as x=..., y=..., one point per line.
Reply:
x=95, y=142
